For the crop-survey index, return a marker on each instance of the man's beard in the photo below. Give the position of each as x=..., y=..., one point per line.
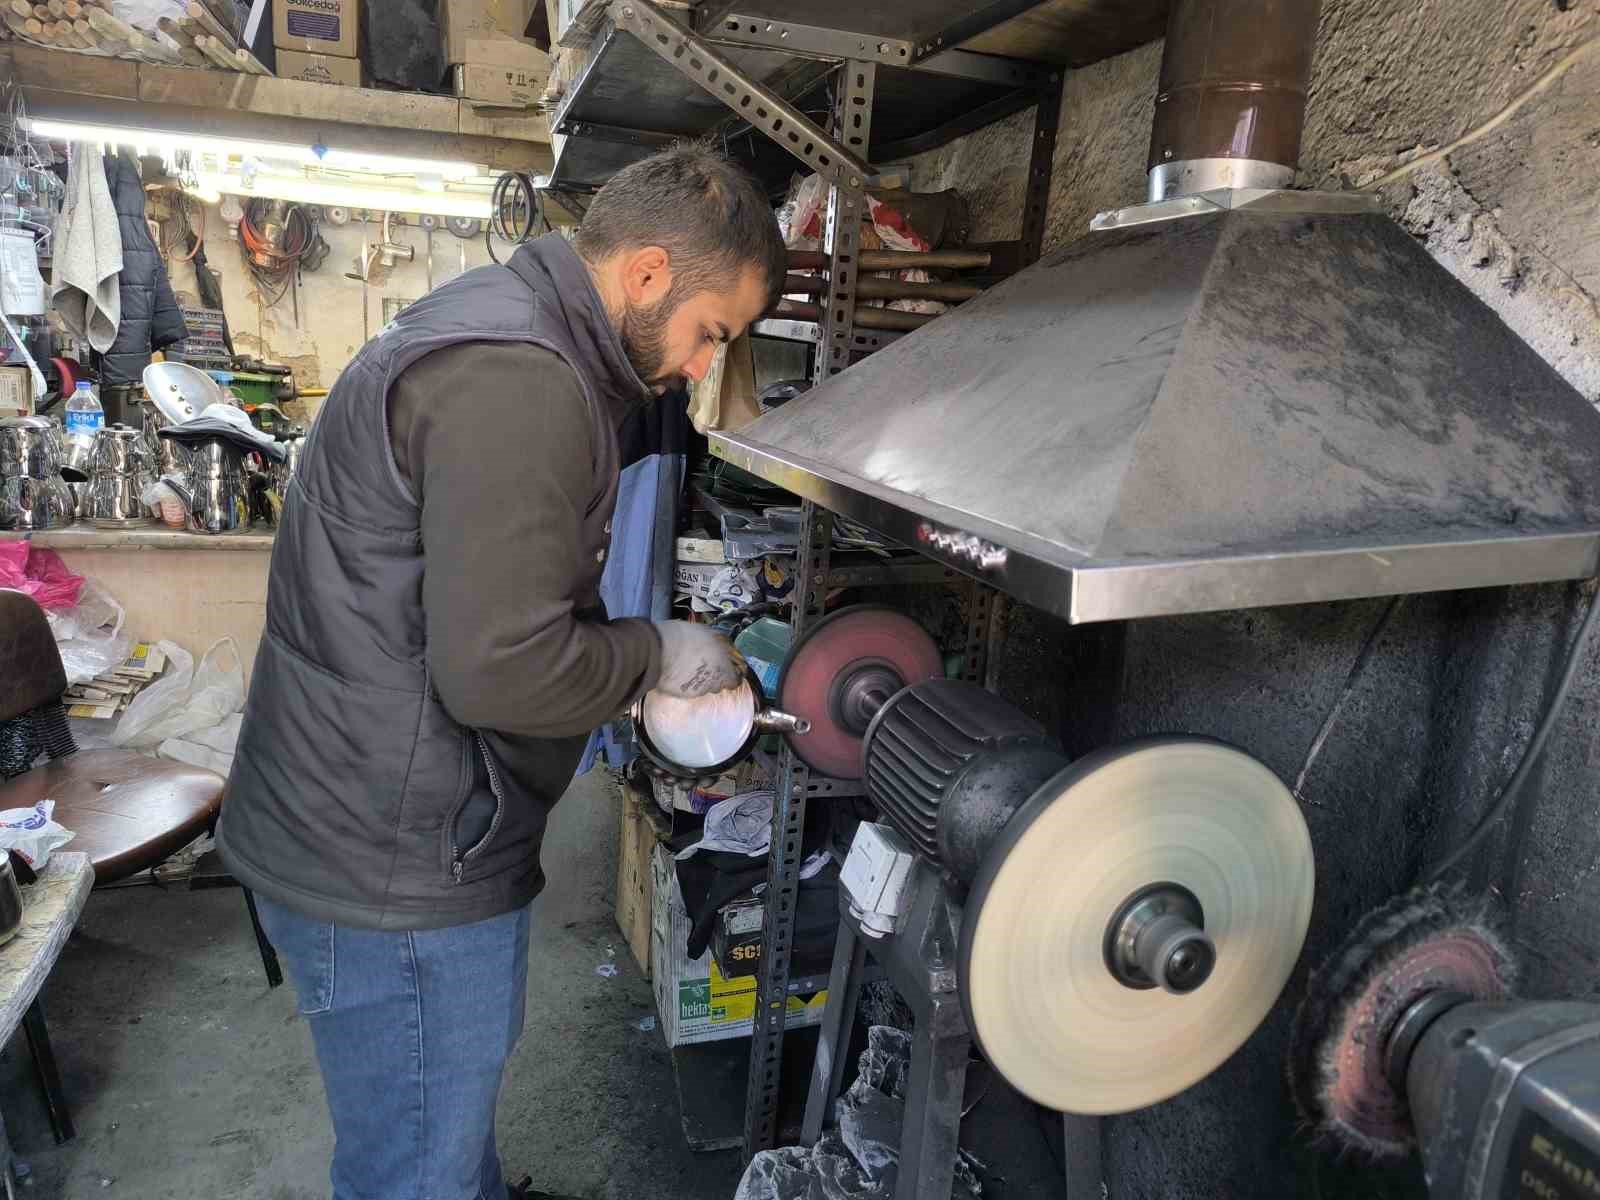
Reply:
x=644, y=338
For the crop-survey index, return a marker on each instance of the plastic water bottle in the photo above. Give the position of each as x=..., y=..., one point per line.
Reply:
x=84, y=416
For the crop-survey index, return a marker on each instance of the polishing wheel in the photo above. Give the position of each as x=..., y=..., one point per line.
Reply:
x=1429, y=942
x=842, y=672
x=1134, y=922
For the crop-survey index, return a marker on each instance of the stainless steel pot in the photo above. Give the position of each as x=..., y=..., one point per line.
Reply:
x=170, y=457
x=221, y=503
x=694, y=739
x=35, y=504
x=30, y=447
x=119, y=450
x=214, y=459
x=121, y=476
x=10, y=900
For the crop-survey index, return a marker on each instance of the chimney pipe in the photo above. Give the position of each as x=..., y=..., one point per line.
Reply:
x=1232, y=98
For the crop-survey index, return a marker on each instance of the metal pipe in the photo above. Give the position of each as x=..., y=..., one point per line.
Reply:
x=871, y=288
x=896, y=260
x=866, y=318
x=1231, y=103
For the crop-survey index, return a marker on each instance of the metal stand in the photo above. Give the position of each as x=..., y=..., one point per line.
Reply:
x=44, y=1066
x=841, y=156
x=763, y=1090
x=919, y=961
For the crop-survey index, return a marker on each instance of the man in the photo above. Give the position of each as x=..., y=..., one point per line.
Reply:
x=435, y=654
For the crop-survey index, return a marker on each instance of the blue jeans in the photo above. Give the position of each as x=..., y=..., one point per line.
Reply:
x=412, y=1032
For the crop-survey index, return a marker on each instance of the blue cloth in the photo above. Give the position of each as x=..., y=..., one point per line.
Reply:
x=638, y=579
x=412, y=1031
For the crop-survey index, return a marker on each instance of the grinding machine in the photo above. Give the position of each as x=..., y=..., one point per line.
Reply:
x=1107, y=931
x=1410, y=1038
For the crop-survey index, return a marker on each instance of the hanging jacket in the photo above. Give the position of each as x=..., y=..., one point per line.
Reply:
x=151, y=319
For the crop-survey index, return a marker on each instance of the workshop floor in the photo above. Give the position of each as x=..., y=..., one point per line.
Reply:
x=189, y=1079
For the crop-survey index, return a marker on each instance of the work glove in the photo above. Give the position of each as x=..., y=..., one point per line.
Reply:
x=696, y=662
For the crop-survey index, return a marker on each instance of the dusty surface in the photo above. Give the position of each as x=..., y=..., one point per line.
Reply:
x=189, y=1079
x=1514, y=215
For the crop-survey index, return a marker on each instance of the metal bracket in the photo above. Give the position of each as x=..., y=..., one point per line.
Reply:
x=617, y=133
x=764, y=1085
x=773, y=116
x=816, y=41
x=1036, y=201
x=852, y=121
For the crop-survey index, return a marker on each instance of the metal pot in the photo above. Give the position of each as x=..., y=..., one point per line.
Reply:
x=170, y=457
x=30, y=447
x=116, y=501
x=118, y=450
x=214, y=459
x=10, y=900
x=721, y=729
x=220, y=503
x=29, y=504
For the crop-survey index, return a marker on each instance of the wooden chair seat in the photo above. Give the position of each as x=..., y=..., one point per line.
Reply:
x=129, y=812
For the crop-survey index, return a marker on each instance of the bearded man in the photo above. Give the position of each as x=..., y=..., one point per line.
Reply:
x=436, y=654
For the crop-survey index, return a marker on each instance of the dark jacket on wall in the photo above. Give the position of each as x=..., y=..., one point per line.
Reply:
x=435, y=651
x=151, y=319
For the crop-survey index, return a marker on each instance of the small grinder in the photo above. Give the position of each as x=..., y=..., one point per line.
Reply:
x=1409, y=1038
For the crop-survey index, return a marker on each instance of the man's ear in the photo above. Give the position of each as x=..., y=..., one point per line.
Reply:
x=646, y=276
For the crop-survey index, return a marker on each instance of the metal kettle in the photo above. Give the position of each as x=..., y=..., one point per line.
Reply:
x=10, y=900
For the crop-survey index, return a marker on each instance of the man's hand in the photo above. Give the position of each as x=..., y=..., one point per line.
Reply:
x=695, y=662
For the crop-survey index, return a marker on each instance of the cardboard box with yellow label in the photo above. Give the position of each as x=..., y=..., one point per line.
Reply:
x=695, y=1001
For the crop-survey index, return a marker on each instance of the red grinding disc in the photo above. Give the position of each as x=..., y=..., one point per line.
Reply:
x=835, y=648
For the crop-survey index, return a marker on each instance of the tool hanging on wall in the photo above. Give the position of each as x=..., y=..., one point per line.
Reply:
x=276, y=241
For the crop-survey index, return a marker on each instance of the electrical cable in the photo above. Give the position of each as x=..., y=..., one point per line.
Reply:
x=275, y=275
x=1541, y=84
x=516, y=212
x=1530, y=757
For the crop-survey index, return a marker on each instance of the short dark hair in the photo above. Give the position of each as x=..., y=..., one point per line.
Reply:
x=708, y=214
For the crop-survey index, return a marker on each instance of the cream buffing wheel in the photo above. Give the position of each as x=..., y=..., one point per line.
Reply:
x=1044, y=1006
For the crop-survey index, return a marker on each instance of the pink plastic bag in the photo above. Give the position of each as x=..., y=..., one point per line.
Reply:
x=38, y=573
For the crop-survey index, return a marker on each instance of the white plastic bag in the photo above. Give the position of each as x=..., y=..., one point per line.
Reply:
x=210, y=748
x=89, y=635
x=32, y=833
x=187, y=698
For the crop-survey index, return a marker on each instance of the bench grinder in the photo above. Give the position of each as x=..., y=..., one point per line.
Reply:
x=1109, y=930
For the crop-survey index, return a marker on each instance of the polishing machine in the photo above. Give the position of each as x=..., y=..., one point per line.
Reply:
x=1409, y=1039
x=1108, y=930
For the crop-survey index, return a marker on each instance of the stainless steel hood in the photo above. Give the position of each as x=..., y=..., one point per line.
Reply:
x=1221, y=401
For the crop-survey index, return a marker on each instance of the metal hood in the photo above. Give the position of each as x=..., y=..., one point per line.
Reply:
x=1220, y=401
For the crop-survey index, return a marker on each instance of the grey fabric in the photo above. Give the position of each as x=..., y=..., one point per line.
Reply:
x=87, y=249
x=356, y=795
x=150, y=319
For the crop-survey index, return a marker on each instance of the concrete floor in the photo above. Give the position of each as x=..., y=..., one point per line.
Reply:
x=189, y=1079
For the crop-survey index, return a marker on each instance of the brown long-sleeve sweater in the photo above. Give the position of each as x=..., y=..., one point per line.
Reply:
x=505, y=480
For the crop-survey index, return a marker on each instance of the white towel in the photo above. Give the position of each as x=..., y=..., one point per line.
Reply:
x=88, y=253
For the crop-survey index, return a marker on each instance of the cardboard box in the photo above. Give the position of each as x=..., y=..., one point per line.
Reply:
x=501, y=86
x=317, y=27
x=16, y=392
x=319, y=68
x=464, y=21
x=695, y=1001
x=635, y=878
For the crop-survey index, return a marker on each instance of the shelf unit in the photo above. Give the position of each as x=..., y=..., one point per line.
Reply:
x=886, y=76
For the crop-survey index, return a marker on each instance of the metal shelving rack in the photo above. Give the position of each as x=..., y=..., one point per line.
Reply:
x=735, y=43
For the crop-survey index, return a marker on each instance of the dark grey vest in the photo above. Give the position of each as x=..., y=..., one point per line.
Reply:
x=355, y=797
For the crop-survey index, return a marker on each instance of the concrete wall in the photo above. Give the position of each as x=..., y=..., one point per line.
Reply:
x=1457, y=682
x=330, y=328
x=1516, y=215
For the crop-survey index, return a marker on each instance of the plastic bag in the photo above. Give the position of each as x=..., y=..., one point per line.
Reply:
x=860, y=1160
x=163, y=497
x=39, y=574
x=210, y=748
x=187, y=698
x=32, y=833
x=89, y=635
